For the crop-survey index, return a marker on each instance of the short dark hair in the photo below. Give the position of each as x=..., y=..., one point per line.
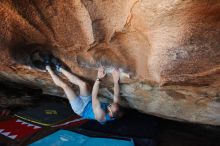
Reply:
x=120, y=112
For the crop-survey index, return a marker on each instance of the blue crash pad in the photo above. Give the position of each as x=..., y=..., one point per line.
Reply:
x=69, y=138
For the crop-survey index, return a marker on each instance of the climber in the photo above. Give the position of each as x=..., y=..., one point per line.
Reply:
x=87, y=104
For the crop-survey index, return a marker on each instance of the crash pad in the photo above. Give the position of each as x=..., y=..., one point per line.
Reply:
x=17, y=129
x=75, y=121
x=69, y=138
x=47, y=113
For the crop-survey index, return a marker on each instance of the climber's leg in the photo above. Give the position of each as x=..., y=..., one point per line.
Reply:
x=84, y=91
x=67, y=89
x=76, y=102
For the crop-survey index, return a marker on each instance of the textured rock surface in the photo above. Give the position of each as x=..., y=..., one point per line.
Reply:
x=170, y=49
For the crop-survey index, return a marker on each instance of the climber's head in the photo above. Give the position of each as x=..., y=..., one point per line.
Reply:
x=115, y=110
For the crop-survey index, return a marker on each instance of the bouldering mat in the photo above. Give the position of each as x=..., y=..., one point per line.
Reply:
x=69, y=138
x=133, y=124
x=75, y=121
x=17, y=129
x=47, y=113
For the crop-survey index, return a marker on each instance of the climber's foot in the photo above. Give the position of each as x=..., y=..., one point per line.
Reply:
x=40, y=60
x=48, y=68
x=57, y=64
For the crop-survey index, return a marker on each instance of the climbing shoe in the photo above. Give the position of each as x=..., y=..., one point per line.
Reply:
x=40, y=60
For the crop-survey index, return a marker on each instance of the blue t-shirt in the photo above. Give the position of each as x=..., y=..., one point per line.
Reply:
x=89, y=114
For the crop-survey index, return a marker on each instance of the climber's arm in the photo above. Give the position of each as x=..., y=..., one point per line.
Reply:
x=96, y=106
x=99, y=113
x=116, y=77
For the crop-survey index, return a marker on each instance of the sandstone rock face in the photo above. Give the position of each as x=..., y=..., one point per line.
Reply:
x=170, y=49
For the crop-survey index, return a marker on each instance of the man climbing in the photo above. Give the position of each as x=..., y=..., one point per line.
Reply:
x=87, y=104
